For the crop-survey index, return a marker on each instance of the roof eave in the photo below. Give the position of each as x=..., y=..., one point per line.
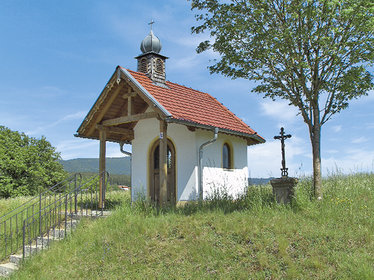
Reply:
x=258, y=139
x=95, y=138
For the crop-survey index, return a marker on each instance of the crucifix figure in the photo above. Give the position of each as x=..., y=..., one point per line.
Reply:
x=283, y=137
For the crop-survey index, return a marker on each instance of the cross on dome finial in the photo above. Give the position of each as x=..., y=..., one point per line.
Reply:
x=151, y=43
x=151, y=23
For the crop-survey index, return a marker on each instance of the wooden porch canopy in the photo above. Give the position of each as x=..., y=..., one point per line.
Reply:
x=122, y=103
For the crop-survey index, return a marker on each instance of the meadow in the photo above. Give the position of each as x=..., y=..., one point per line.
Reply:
x=248, y=238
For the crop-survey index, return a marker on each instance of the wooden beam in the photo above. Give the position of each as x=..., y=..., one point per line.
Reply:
x=129, y=106
x=147, y=100
x=163, y=163
x=131, y=94
x=102, y=170
x=129, y=119
x=105, y=108
x=116, y=130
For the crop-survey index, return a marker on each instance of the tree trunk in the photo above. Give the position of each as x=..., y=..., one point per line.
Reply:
x=316, y=147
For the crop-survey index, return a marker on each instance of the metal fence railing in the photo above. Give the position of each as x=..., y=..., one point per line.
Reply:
x=32, y=222
x=57, y=219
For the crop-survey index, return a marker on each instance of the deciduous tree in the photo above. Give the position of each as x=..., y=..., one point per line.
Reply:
x=27, y=165
x=315, y=54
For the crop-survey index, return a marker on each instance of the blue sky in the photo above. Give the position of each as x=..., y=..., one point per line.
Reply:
x=56, y=57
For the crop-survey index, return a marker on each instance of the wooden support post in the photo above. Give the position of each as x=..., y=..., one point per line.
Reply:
x=102, y=170
x=129, y=106
x=163, y=163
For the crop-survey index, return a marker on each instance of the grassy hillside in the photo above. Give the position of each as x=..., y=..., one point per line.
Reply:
x=250, y=238
x=119, y=165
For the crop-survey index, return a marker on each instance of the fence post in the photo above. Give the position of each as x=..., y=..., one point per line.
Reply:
x=75, y=195
x=40, y=213
x=23, y=239
x=66, y=212
x=103, y=193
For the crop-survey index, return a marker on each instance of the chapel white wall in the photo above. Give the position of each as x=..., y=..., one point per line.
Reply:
x=187, y=144
x=233, y=181
x=146, y=132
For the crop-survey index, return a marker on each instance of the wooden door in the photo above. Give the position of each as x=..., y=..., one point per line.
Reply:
x=154, y=190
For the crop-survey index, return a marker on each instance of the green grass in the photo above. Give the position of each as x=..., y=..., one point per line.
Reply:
x=250, y=238
x=53, y=212
x=8, y=204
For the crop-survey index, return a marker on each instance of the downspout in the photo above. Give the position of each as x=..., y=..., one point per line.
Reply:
x=130, y=155
x=200, y=163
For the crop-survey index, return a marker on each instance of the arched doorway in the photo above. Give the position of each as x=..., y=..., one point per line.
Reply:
x=154, y=162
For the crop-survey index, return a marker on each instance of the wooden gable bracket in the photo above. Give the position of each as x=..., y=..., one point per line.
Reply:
x=130, y=93
x=129, y=119
x=129, y=96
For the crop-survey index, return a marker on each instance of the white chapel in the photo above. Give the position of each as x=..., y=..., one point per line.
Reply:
x=185, y=144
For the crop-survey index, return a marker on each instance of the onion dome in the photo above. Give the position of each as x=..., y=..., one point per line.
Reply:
x=151, y=43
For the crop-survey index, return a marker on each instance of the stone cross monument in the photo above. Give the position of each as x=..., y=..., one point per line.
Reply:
x=283, y=137
x=283, y=188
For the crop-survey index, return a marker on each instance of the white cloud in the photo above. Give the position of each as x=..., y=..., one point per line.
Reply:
x=336, y=128
x=370, y=125
x=279, y=110
x=264, y=160
x=360, y=140
x=190, y=41
x=184, y=62
x=332, y=151
x=353, y=160
x=75, y=116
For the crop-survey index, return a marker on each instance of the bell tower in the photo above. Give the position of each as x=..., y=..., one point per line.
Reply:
x=151, y=62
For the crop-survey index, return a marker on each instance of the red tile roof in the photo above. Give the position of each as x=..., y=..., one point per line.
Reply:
x=190, y=105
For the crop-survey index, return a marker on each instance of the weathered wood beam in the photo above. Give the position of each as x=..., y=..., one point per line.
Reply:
x=116, y=130
x=129, y=106
x=105, y=108
x=102, y=171
x=163, y=164
x=131, y=94
x=147, y=100
x=129, y=119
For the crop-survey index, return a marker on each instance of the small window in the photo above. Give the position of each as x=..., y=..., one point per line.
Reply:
x=143, y=66
x=226, y=157
x=159, y=66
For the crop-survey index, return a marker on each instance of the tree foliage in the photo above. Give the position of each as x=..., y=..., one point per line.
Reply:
x=315, y=54
x=27, y=165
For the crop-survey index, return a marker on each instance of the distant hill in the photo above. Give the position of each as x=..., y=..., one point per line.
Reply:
x=259, y=181
x=116, y=165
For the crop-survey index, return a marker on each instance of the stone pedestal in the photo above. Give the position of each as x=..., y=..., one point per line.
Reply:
x=283, y=189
